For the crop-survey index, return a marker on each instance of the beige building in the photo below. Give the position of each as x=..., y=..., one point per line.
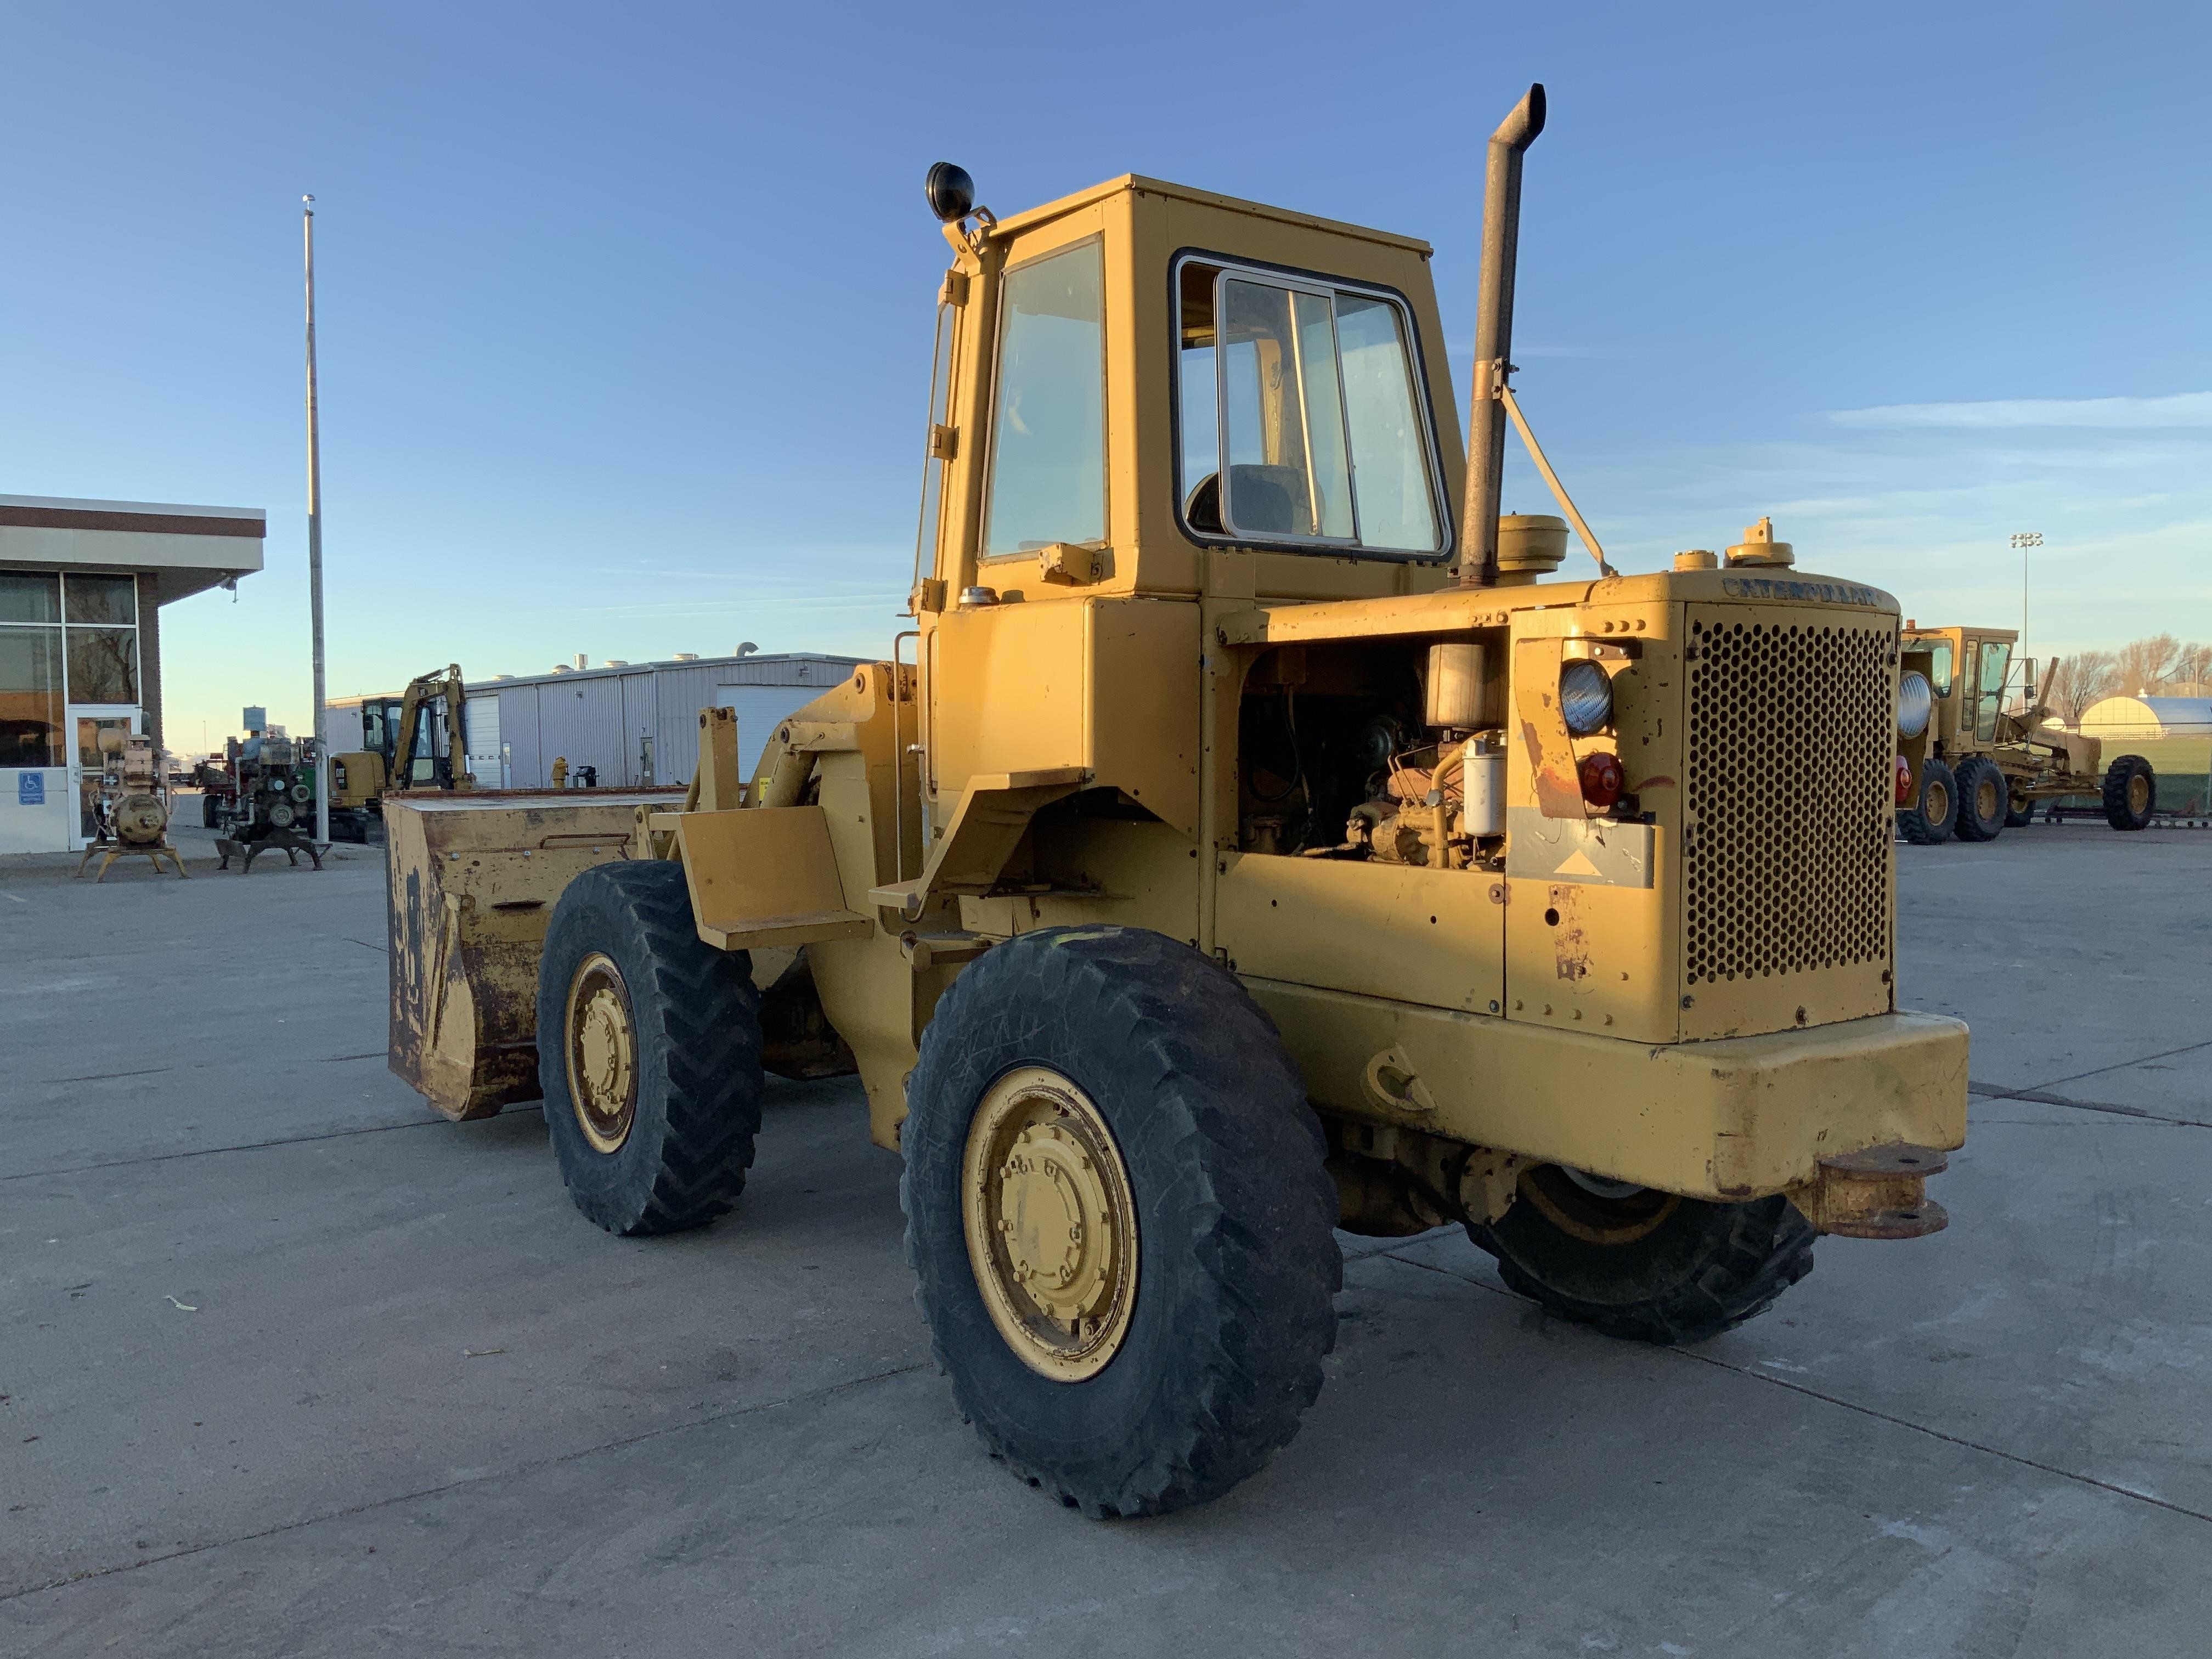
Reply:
x=81, y=587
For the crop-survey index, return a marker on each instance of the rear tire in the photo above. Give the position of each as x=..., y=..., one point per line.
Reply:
x=1935, y=810
x=1645, y=1265
x=656, y=1140
x=2130, y=792
x=1180, y=1085
x=2018, y=814
x=1984, y=798
x=208, y=818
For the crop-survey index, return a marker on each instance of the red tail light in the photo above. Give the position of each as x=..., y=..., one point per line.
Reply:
x=1904, y=781
x=1600, y=778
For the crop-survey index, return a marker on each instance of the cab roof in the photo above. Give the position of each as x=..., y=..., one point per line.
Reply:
x=1139, y=184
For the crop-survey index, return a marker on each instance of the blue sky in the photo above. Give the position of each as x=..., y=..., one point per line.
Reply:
x=625, y=310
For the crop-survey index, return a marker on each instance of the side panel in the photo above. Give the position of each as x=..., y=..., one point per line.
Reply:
x=1592, y=919
x=1108, y=685
x=1433, y=937
x=1006, y=693
x=1142, y=704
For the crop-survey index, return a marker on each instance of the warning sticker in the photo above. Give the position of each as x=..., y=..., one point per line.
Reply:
x=1588, y=850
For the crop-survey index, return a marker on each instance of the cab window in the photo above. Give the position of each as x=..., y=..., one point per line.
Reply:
x=1048, y=480
x=1301, y=422
x=1989, y=688
x=1939, y=670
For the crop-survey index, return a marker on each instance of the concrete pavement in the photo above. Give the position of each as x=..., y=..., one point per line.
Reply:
x=291, y=1367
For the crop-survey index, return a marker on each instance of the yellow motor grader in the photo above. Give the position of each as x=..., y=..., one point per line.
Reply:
x=1261, y=837
x=1976, y=751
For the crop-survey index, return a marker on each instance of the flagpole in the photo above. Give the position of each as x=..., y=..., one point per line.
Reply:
x=315, y=535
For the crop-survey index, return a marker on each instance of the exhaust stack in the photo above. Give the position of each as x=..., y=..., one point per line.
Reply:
x=1493, y=339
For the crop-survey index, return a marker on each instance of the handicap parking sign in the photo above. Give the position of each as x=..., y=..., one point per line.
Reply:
x=31, y=789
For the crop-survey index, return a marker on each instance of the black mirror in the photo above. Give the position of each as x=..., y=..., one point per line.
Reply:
x=951, y=193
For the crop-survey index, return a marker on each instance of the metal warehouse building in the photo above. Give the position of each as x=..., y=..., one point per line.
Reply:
x=635, y=722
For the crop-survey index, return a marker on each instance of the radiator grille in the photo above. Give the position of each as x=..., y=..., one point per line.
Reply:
x=1786, y=853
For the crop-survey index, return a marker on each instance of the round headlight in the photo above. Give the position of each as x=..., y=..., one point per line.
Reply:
x=1585, y=697
x=1915, y=704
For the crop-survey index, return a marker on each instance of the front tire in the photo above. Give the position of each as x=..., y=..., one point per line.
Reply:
x=1644, y=1264
x=2130, y=792
x=1119, y=1217
x=648, y=1053
x=1928, y=822
x=1984, y=798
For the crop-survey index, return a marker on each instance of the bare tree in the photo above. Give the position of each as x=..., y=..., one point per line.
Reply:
x=2077, y=681
x=2193, y=668
x=2148, y=663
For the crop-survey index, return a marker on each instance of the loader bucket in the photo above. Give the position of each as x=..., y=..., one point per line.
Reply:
x=474, y=879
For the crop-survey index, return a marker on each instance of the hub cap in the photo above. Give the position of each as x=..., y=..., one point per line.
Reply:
x=1593, y=1209
x=602, y=1053
x=1051, y=1226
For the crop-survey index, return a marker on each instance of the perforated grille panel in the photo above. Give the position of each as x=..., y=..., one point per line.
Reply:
x=1786, y=855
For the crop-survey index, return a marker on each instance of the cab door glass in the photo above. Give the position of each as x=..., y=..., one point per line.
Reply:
x=1390, y=449
x=1996, y=654
x=1939, y=670
x=1298, y=416
x=1289, y=473
x=1048, y=432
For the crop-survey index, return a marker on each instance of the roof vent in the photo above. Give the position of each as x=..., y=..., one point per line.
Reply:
x=687, y=656
x=747, y=648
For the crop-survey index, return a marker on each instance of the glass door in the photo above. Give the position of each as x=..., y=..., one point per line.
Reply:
x=89, y=764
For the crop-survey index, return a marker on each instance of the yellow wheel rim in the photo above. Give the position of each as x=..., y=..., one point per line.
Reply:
x=1051, y=1226
x=602, y=1039
x=1937, y=807
x=1989, y=801
x=1595, y=1217
x=2138, y=795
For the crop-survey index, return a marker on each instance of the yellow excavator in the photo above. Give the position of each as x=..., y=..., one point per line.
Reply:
x=409, y=725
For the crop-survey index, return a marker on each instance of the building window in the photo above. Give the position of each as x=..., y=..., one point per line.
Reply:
x=30, y=695
x=63, y=638
x=29, y=598
x=103, y=664
x=102, y=600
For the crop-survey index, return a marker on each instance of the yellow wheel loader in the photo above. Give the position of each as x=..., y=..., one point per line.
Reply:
x=1255, y=835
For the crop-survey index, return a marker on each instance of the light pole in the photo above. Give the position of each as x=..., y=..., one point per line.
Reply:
x=315, y=533
x=2022, y=541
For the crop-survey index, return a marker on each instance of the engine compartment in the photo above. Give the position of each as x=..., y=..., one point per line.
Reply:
x=1391, y=751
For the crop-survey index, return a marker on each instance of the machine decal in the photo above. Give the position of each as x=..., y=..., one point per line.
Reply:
x=1592, y=851
x=1780, y=587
